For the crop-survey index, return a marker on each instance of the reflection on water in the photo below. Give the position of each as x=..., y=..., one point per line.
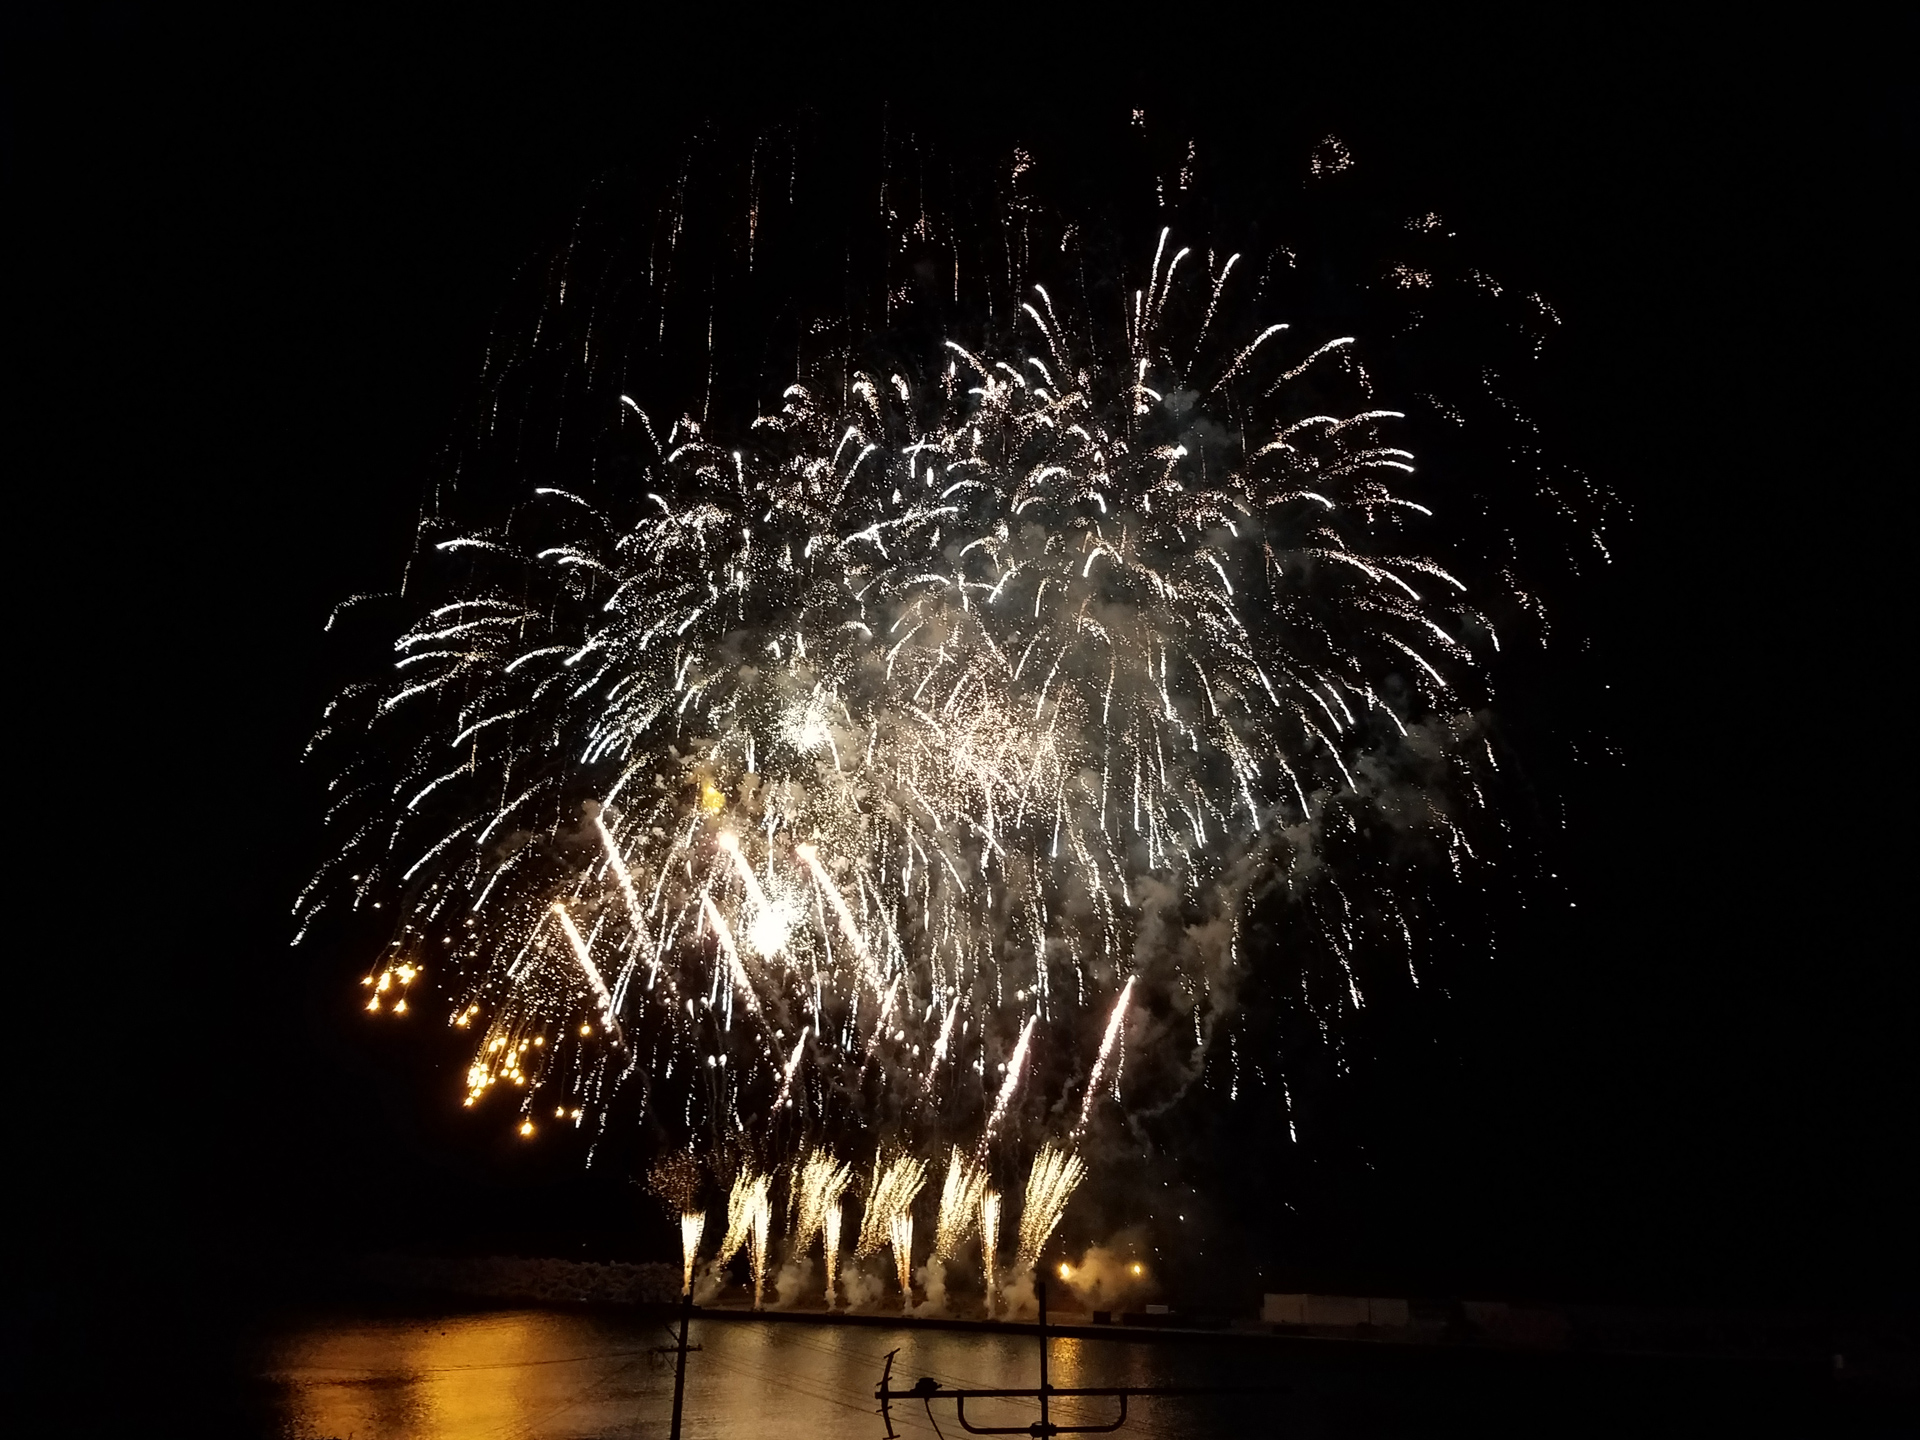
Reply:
x=562, y=1375
x=543, y=1375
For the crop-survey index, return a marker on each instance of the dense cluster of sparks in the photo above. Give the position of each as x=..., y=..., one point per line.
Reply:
x=854, y=772
x=816, y=1188
x=1055, y=1176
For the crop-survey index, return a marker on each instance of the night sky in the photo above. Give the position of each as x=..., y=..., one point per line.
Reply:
x=269, y=262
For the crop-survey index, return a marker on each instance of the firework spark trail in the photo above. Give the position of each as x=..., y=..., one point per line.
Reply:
x=818, y=1186
x=744, y=1202
x=900, y=1236
x=1114, y=1023
x=1055, y=1176
x=792, y=1066
x=886, y=1013
x=592, y=972
x=830, y=1244
x=736, y=969
x=692, y=1226
x=960, y=1197
x=849, y=927
x=768, y=926
x=759, y=1222
x=940, y=1046
x=989, y=1242
x=636, y=915
x=1015, y=1067
x=890, y=1194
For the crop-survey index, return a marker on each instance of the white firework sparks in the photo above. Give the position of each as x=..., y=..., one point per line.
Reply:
x=1055, y=1176
x=844, y=773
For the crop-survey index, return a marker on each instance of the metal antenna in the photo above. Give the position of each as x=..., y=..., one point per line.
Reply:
x=928, y=1390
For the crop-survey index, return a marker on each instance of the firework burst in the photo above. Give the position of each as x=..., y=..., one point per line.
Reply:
x=862, y=766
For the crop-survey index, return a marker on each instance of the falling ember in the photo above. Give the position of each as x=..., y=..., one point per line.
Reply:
x=989, y=1241
x=1051, y=1183
x=1114, y=1023
x=960, y=1200
x=900, y=1236
x=692, y=1226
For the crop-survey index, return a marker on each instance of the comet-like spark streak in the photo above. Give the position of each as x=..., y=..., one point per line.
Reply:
x=1015, y=1068
x=592, y=971
x=935, y=693
x=1114, y=1023
x=940, y=1046
x=793, y=1064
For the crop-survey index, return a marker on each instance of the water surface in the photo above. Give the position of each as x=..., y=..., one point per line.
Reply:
x=533, y=1374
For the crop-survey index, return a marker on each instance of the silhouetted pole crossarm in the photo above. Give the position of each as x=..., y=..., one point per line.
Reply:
x=926, y=1390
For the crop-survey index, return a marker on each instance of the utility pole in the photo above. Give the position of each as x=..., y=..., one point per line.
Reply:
x=1046, y=1426
x=680, y=1363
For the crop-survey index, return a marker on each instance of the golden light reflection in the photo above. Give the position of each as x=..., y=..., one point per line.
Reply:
x=456, y=1379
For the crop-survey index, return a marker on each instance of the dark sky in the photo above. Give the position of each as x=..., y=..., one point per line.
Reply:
x=269, y=260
